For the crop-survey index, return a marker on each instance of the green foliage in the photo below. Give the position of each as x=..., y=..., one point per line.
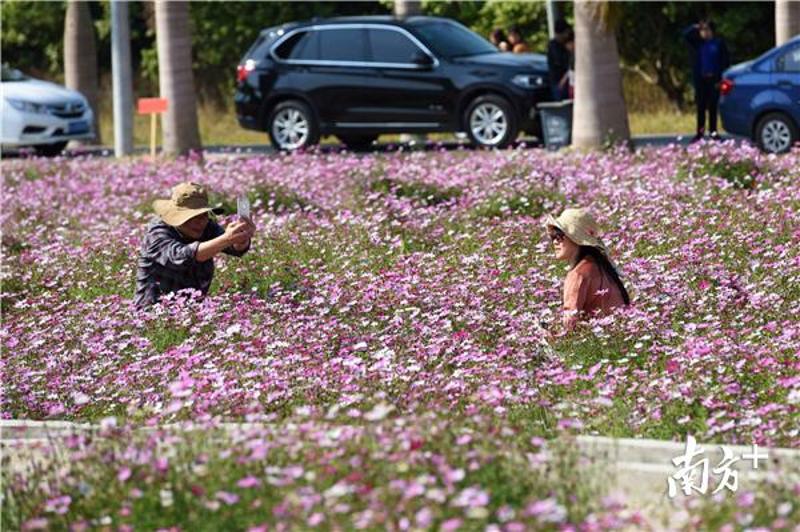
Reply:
x=742, y=174
x=532, y=203
x=651, y=42
x=32, y=37
x=483, y=17
x=273, y=199
x=115, y=266
x=771, y=505
x=424, y=193
x=163, y=335
x=649, y=34
x=200, y=465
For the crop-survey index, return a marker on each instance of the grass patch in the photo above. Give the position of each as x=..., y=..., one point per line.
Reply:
x=163, y=336
x=423, y=193
x=741, y=174
x=532, y=203
x=669, y=427
x=217, y=126
x=662, y=122
x=274, y=199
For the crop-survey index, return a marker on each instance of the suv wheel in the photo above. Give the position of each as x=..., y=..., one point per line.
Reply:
x=292, y=126
x=776, y=133
x=490, y=122
x=50, y=150
x=358, y=142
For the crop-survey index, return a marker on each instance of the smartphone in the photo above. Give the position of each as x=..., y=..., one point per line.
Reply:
x=243, y=207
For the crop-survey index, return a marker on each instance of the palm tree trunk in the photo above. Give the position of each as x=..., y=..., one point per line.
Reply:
x=80, y=56
x=407, y=8
x=403, y=9
x=599, y=113
x=175, y=79
x=787, y=20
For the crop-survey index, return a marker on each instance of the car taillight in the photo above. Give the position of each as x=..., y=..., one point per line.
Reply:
x=725, y=87
x=243, y=70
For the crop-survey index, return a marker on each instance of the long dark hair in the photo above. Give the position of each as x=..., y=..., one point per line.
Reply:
x=602, y=262
x=498, y=35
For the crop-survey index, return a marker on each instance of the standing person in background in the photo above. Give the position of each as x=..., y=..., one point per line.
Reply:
x=570, y=75
x=516, y=42
x=710, y=59
x=498, y=38
x=558, y=60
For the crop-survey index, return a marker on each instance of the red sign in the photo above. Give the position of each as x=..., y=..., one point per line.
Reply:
x=151, y=105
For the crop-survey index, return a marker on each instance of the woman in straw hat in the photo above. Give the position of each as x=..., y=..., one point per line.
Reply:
x=179, y=248
x=593, y=285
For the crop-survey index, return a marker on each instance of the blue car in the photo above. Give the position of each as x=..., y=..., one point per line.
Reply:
x=760, y=99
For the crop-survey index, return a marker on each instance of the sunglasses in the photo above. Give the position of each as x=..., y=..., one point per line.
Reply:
x=557, y=236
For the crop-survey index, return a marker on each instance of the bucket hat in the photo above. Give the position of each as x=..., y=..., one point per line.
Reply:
x=188, y=200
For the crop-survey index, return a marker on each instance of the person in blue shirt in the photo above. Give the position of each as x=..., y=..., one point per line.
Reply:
x=709, y=60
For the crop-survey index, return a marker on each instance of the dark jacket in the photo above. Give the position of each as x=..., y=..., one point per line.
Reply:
x=558, y=59
x=167, y=262
x=695, y=42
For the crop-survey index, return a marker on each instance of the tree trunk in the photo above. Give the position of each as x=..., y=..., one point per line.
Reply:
x=674, y=91
x=407, y=8
x=599, y=114
x=787, y=20
x=175, y=79
x=80, y=57
x=402, y=9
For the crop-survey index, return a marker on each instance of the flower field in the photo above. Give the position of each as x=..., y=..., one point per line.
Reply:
x=381, y=347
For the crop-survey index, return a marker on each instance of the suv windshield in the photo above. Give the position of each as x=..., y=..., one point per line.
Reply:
x=453, y=40
x=12, y=74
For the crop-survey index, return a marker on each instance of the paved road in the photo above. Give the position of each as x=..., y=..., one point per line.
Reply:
x=456, y=144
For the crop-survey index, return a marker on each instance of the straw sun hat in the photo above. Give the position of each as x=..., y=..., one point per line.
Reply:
x=187, y=201
x=579, y=226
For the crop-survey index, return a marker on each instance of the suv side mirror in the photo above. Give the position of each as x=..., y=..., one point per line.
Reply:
x=421, y=59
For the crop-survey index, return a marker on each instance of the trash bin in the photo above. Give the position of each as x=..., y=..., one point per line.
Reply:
x=556, y=123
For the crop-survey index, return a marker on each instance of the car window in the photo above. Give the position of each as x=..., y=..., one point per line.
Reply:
x=343, y=44
x=12, y=74
x=261, y=46
x=790, y=61
x=288, y=47
x=390, y=46
x=308, y=47
x=450, y=39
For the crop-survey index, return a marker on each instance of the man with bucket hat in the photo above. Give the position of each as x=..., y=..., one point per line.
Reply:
x=593, y=285
x=179, y=248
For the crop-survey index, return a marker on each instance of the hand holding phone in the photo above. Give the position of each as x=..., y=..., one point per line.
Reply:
x=243, y=207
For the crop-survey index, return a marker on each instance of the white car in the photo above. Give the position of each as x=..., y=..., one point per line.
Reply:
x=41, y=114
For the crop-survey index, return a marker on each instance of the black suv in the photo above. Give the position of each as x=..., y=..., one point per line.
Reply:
x=358, y=77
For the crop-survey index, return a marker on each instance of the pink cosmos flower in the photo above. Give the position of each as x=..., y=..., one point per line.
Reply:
x=315, y=519
x=227, y=497
x=451, y=524
x=248, y=482
x=124, y=474
x=37, y=523
x=59, y=505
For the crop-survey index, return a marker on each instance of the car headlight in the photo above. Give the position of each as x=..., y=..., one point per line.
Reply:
x=28, y=107
x=528, y=81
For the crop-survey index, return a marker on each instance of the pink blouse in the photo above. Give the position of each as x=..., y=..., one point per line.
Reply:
x=589, y=291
